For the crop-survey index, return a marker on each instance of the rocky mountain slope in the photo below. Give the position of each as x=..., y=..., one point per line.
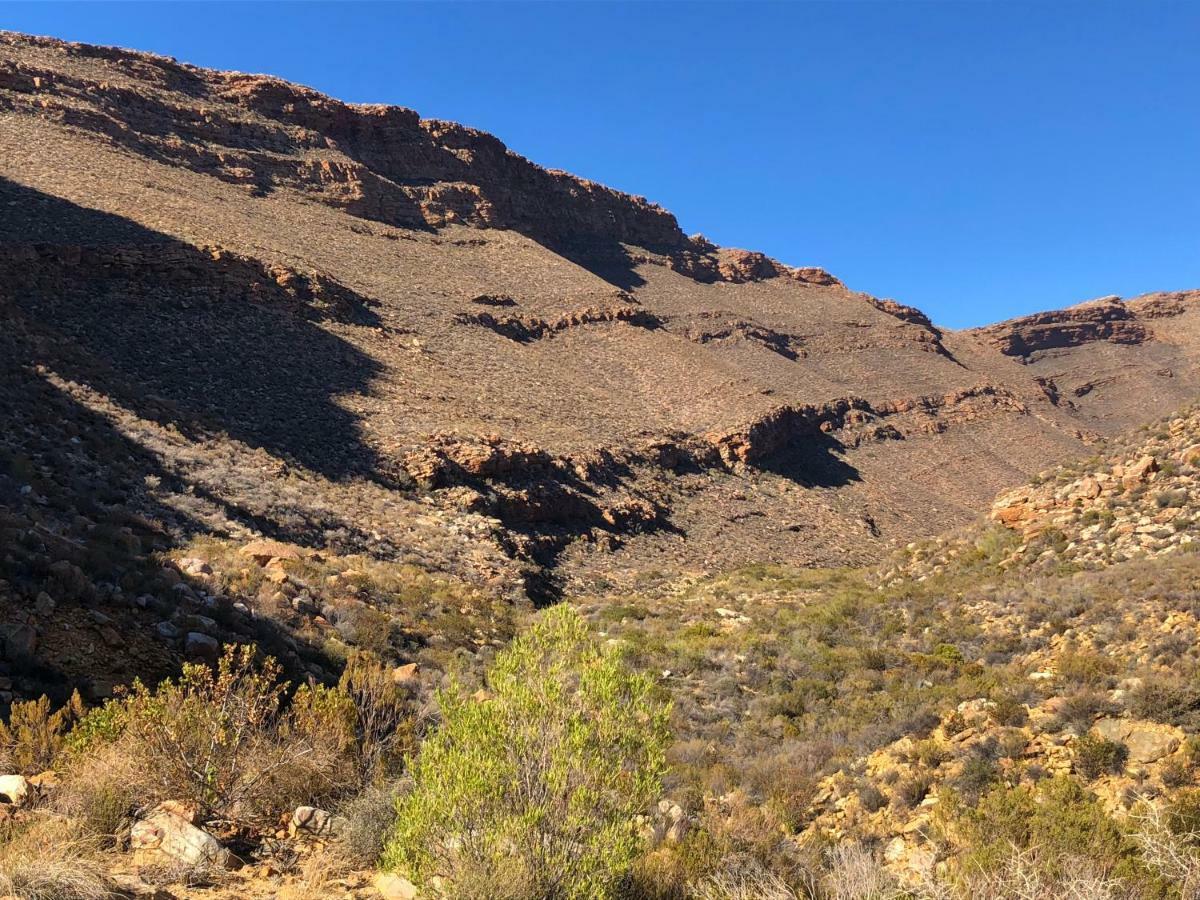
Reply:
x=355, y=329
x=964, y=708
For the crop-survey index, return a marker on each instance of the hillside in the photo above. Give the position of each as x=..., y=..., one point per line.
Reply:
x=417, y=444
x=1004, y=711
x=345, y=325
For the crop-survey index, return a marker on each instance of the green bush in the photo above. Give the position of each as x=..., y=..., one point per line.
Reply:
x=1009, y=710
x=1058, y=818
x=533, y=791
x=1183, y=812
x=1095, y=756
x=947, y=654
x=978, y=774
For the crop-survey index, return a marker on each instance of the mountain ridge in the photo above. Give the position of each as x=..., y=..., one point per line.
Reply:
x=405, y=314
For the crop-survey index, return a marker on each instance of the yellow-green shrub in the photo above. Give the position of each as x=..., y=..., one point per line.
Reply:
x=533, y=791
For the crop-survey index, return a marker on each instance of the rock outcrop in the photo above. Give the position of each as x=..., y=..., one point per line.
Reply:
x=1106, y=319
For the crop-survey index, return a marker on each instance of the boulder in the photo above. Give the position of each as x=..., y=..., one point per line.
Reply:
x=44, y=782
x=1147, y=742
x=319, y=822
x=1139, y=471
x=44, y=604
x=406, y=674
x=739, y=266
x=14, y=790
x=194, y=567
x=201, y=646
x=18, y=641
x=394, y=887
x=1151, y=744
x=276, y=574
x=1087, y=489
x=167, y=836
x=668, y=824
x=262, y=552
x=1013, y=509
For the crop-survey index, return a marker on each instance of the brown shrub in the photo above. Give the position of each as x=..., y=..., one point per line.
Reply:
x=34, y=734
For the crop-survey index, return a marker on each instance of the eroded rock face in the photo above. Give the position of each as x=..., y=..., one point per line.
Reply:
x=1106, y=319
x=433, y=349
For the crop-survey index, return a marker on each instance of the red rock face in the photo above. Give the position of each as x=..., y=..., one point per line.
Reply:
x=1106, y=319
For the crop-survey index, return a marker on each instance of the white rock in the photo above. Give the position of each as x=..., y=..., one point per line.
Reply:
x=394, y=887
x=14, y=789
x=312, y=820
x=166, y=836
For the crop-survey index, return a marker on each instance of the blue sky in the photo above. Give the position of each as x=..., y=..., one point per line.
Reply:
x=978, y=160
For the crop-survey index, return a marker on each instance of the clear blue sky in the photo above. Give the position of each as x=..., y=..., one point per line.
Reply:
x=977, y=160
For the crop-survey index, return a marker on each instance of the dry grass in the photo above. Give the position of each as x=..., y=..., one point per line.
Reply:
x=1025, y=876
x=743, y=878
x=49, y=860
x=100, y=789
x=855, y=873
x=318, y=876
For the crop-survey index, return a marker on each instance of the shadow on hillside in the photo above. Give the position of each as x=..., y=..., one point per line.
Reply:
x=606, y=259
x=813, y=460
x=83, y=516
x=206, y=345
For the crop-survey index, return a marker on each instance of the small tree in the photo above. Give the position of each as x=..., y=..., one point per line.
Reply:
x=533, y=792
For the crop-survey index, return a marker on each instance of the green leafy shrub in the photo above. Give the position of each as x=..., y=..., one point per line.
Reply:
x=1183, y=812
x=533, y=791
x=1008, y=710
x=1095, y=756
x=948, y=654
x=978, y=774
